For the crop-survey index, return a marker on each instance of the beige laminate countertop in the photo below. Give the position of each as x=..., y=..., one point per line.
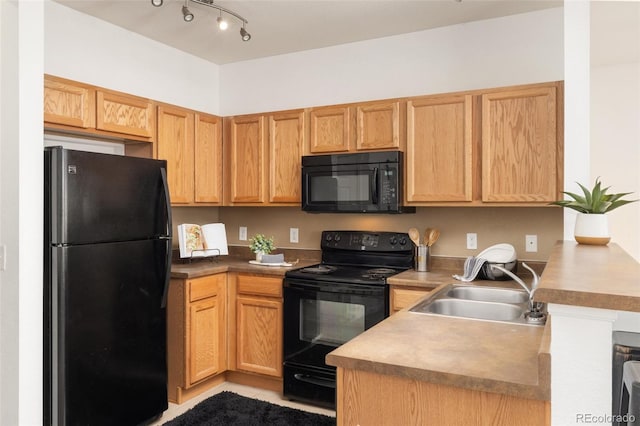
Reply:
x=488, y=356
x=202, y=268
x=603, y=277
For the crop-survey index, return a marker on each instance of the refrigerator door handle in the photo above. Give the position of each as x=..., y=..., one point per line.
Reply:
x=167, y=277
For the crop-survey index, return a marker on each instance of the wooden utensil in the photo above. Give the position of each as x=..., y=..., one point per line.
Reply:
x=433, y=237
x=414, y=234
x=427, y=234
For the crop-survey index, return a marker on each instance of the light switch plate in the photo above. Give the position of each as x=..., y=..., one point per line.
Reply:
x=242, y=233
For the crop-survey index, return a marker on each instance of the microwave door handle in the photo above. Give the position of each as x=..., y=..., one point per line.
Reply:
x=374, y=187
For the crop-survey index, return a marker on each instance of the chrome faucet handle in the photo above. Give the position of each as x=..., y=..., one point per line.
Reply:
x=536, y=278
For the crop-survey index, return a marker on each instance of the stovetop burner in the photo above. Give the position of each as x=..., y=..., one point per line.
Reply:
x=319, y=269
x=377, y=273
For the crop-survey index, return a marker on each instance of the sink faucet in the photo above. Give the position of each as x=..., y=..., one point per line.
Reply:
x=533, y=307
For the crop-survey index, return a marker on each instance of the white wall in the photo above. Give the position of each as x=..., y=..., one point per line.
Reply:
x=83, y=48
x=21, y=205
x=517, y=49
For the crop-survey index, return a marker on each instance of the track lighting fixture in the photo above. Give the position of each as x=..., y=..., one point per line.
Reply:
x=222, y=23
x=186, y=14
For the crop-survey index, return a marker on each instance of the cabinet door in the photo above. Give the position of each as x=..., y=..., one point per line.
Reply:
x=259, y=335
x=175, y=144
x=203, y=330
x=69, y=104
x=330, y=130
x=378, y=126
x=246, y=159
x=520, y=146
x=208, y=159
x=286, y=142
x=439, y=149
x=125, y=114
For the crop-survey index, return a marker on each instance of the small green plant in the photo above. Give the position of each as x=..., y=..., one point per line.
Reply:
x=596, y=201
x=260, y=243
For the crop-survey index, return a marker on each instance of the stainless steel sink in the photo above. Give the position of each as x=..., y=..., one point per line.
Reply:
x=488, y=294
x=483, y=303
x=473, y=309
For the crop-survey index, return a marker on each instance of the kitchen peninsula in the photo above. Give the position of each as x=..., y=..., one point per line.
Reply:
x=427, y=369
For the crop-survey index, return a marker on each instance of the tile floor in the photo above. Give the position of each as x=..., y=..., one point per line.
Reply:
x=264, y=395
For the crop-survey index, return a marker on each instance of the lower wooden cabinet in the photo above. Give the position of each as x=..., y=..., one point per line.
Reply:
x=258, y=328
x=401, y=297
x=196, y=332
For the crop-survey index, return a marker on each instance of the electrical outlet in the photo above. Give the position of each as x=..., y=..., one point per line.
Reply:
x=242, y=233
x=472, y=241
x=531, y=243
x=293, y=235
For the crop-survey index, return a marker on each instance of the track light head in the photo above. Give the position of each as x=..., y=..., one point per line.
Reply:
x=186, y=14
x=222, y=23
x=244, y=34
x=157, y=3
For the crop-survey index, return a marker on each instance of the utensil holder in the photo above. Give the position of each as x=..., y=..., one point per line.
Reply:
x=422, y=258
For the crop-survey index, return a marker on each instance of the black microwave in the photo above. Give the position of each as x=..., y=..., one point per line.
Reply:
x=365, y=182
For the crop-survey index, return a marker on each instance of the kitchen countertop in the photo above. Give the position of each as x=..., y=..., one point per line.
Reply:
x=203, y=267
x=488, y=356
x=603, y=277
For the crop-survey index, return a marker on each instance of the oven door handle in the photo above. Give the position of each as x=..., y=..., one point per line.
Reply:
x=343, y=288
x=315, y=380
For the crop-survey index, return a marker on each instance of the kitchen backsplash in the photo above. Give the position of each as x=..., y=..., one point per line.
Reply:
x=493, y=225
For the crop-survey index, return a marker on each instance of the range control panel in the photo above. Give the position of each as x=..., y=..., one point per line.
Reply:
x=366, y=241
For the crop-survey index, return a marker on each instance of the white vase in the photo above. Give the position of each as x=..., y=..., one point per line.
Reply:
x=592, y=229
x=259, y=256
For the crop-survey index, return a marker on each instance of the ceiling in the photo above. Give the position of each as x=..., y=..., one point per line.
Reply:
x=279, y=27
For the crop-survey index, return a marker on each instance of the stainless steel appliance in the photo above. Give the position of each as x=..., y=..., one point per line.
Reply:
x=327, y=304
x=367, y=182
x=107, y=256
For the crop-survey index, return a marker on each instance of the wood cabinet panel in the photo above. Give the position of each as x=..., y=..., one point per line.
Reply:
x=203, y=339
x=175, y=144
x=367, y=398
x=378, y=126
x=439, y=149
x=286, y=142
x=208, y=159
x=259, y=335
x=330, y=129
x=67, y=103
x=259, y=285
x=403, y=297
x=125, y=114
x=520, y=146
x=246, y=159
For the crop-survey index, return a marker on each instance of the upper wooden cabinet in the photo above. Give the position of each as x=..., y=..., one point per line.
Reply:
x=331, y=129
x=69, y=104
x=488, y=147
x=521, y=145
x=262, y=156
x=125, y=114
x=379, y=125
x=245, y=159
x=439, y=149
x=192, y=145
x=286, y=141
x=366, y=126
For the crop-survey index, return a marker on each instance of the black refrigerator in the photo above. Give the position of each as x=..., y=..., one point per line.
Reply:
x=107, y=259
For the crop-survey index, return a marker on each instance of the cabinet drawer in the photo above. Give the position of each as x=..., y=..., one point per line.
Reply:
x=259, y=285
x=201, y=288
x=404, y=297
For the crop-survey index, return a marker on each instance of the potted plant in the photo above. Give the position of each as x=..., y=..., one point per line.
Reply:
x=260, y=245
x=592, y=226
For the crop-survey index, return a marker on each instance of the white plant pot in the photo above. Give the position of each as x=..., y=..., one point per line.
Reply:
x=592, y=229
x=259, y=256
